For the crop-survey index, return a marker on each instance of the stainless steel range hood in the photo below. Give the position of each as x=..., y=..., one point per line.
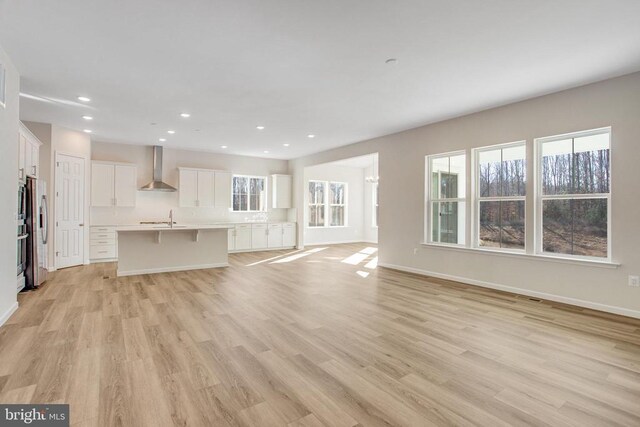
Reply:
x=157, y=184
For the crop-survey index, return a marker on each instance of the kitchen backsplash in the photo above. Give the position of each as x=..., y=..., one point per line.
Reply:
x=155, y=206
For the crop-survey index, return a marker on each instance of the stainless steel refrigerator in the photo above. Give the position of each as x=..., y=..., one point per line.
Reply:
x=37, y=222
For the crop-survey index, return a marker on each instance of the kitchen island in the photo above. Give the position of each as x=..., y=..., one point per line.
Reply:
x=164, y=248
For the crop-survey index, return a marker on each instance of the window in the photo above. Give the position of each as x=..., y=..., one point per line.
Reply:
x=249, y=193
x=500, y=196
x=317, y=191
x=376, y=206
x=446, y=176
x=574, y=194
x=335, y=203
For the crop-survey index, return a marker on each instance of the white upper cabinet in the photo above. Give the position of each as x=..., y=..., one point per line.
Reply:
x=113, y=184
x=223, y=190
x=125, y=185
x=28, y=153
x=102, y=185
x=204, y=188
x=281, y=191
x=188, y=188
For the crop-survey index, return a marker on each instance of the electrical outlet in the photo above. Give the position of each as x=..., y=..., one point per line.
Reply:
x=634, y=281
x=415, y=251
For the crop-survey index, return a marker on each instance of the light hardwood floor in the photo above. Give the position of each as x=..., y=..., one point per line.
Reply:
x=305, y=339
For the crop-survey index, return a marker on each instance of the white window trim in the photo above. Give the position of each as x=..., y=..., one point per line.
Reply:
x=475, y=190
x=266, y=193
x=327, y=205
x=324, y=203
x=429, y=201
x=344, y=205
x=539, y=197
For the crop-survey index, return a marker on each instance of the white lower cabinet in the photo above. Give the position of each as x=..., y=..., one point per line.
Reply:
x=259, y=235
x=255, y=237
x=243, y=237
x=103, y=244
x=274, y=237
x=231, y=239
x=288, y=235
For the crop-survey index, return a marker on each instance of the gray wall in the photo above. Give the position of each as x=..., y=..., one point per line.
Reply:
x=614, y=103
x=9, y=117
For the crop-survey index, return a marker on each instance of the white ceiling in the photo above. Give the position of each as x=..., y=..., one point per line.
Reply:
x=301, y=67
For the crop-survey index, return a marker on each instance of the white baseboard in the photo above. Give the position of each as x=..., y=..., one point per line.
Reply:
x=7, y=314
x=542, y=295
x=171, y=269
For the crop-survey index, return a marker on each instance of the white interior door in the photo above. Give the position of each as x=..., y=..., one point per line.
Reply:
x=69, y=210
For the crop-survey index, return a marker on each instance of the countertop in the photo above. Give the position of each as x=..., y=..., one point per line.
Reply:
x=178, y=227
x=182, y=225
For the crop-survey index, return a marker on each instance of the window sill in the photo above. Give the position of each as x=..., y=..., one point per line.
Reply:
x=514, y=254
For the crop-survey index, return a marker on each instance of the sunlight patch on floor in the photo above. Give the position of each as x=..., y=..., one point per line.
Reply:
x=271, y=259
x=358, y=257
x=362, y=273
x=372, y=264
x=298, y=256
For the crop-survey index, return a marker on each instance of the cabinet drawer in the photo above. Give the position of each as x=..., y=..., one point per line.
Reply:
x=103, y=251
x=289, y=225
x=258, y=226
x=97, y=241
x=243, y=226
x=102, y=229
x=102, y=236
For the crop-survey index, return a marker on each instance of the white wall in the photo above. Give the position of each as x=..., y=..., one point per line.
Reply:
x=156, y=205
x=353, y=231
x=9, y=117
x=614, y=103
x=370, y=232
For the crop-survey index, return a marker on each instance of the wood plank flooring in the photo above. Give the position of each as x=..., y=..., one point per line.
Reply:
x=312, y=338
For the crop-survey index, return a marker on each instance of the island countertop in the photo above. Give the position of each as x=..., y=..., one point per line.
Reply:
x=176, y=227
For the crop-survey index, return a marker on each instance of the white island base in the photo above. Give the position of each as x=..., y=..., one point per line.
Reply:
x=144, y=250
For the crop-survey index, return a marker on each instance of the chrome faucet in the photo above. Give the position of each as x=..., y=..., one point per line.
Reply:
x=171, y=218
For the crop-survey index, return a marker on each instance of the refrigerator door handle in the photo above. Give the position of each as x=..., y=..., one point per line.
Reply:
x=44, y=220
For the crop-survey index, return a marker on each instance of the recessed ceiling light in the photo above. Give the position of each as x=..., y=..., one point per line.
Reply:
x=266, y=151
x=286, y=145
x=171, y=132
x=260, y=127
x=223, y=146
x=87, y=117
x=185, y=115
x=391, y=61
x=88, y=131
x=162, y=139
x=84, y=99
x=311, y=135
